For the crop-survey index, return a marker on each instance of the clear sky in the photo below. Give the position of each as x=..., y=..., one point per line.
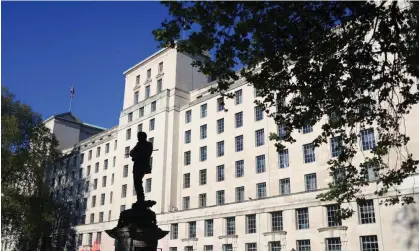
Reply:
x=49, y=46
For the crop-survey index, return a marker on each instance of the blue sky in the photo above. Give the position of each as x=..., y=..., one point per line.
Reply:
x=49, y=46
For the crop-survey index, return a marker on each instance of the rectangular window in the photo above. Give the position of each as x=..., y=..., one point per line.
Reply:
x=137, y=80
x=251, y=224
x=303, y=245
x=122, y=208
x=104, y=179
x=275, y=246
x=188, y=137
x=307, y=129
x=186, y=180
x=203, y=177
x=285, y=186
x=139, y=128
x=107, y=146
x=369, y=243
x=101, y=217
x=220, y=126
x=189, y=248
x=89, y=156
x=239, y=168
x=124, y=191
x=309, y=155
x=371, y=172
x=112, y=179
x=186, y=202
x=333, y=244
x=260, y=137
x=209, y=228
x=153, y=106
x=99, y=237
x=260, y=163
x=127, y=149
x=227, y=247
x=230, y=225
x=96, y=167
x=187, y=158
x=114, y=161
x=367, y=139
x=251, y=247
x=261, y=190
x=258, y=113
x=302, y=218
x=239, y=143
x=277, y=223
x=220, y=197
x=148, y=185
x=238, y=97
x=93, y=200
x=220, y=148
x=151, y=140
x=203, y=110
x=148, y=73
x=366, y=212
x=220, y=173
x=174, y=231
x=203, y=200
x=90, y=239
x=152, y=124
x=188, y=116
x=147, y=91
x=80, y=240
x=281, y=131
x=208, y=248
x=111, y=197
x=173, y=249
x=115, y=145
x=311, y=182
x=335, y=146
x=332, y=212
x=220, y=104
x=240, y=194
x=203, y=153
x=128, y=134
x=98, y=151
x=159, y=85
x=141, y=112
x=161, y=67
x=94, y=184
x=136, y=94
x=92, y=218
x=125, y=171
x=239, y=119
x=203, y=131
x=192, y=229
x=284, y=158
x=130, y=117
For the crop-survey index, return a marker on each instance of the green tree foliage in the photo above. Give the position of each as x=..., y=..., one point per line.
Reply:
x=27, y=147
x=353, y=62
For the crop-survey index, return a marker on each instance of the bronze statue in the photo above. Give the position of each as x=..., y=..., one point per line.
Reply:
x=141, y=154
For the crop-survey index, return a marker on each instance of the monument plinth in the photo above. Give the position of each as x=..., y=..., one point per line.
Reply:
x=137, y=228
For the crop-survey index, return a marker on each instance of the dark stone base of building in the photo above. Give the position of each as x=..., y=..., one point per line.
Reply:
x=137, y=229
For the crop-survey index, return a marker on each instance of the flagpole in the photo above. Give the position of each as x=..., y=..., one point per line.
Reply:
x=71, y=100
x=71, y=97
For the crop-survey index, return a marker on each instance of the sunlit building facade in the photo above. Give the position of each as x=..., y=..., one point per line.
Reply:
x=218, y=180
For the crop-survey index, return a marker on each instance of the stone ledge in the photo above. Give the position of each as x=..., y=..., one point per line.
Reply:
x=228, y=236
x=189, y=239
x=275, y=232
x=323, y=229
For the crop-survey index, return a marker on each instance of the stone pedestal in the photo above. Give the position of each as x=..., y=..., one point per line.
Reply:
x=137, y=229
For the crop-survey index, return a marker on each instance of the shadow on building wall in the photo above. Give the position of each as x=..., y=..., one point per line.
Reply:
x=407, y=221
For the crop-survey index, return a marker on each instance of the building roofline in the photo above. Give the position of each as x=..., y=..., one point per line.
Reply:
x=146, y=60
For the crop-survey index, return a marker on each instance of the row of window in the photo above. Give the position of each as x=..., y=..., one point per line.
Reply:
x=367, y=138
x=366, y=216
x=367, y=243
x=310, y=182
x=89, y=239
x=147, y=93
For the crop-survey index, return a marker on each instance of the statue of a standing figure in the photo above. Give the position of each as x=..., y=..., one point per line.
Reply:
x=141, y=154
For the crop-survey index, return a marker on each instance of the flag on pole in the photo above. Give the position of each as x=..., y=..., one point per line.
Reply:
x=72, y=92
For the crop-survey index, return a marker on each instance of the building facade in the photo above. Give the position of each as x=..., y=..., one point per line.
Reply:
x=218, y=181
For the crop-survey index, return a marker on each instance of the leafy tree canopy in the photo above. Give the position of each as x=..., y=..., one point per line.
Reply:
x=353, y=62
x=27, y=147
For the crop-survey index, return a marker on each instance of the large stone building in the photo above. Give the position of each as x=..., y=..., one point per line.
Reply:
x=218, y=181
